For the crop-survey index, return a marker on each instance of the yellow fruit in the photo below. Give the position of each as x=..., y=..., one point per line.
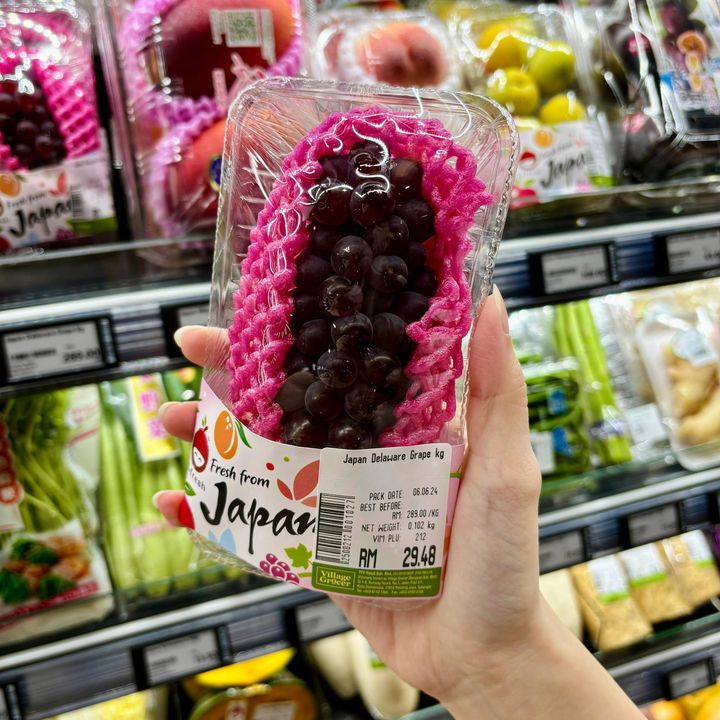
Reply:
x=562, y=108
x=514, y=89
x=552, y=66
x=666, y=710
x=710, y=710
x=505, y=43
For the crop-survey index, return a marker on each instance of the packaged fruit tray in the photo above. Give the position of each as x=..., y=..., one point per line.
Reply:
x=174, y=67
x=402, y=48
x=530, y=61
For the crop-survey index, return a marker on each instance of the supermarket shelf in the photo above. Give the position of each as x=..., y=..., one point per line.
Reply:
x=113, y=661
x=673, y=502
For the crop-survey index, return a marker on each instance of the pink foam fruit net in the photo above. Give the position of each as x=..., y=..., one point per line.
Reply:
x=260, y=337
x=69, y=93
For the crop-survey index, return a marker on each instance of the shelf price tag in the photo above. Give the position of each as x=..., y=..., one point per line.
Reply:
x=656, y=524
x=690, y=678
x=693, y=251
x=575, y=268
x=62, y=348
x=175, y=659
x=320, y=619
x=177, y=316
x=561, y=551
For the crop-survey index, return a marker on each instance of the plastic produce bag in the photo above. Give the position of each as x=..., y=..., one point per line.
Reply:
x=48, y=553
x=54, y=166
x=694, y=565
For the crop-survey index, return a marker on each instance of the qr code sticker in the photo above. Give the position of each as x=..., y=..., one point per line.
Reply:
x=241, y=28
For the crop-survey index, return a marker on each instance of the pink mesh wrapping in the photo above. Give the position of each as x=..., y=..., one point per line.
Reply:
x=169, y=151
x=259, y=335
x=69, y=88
x=135, y=30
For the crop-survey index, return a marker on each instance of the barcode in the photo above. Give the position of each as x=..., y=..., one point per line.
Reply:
x=334, y=531
x=78, y=205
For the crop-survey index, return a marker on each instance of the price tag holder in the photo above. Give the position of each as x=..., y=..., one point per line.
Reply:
x=175, y=659
x=688, y=252
x=64, y=348
x=178, y=315
x=10, y=703
x=319, y=620
x=584, y=267
x=561, y=551
x=656, y=524
x=690, y=678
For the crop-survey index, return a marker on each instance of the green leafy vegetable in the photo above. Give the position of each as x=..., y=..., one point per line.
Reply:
x=14, y=588
x=51, y=586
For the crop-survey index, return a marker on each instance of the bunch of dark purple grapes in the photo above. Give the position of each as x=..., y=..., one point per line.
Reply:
x=27, y=126
x=361, y=281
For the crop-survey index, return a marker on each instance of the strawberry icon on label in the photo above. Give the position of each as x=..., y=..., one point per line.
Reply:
x=200, y=449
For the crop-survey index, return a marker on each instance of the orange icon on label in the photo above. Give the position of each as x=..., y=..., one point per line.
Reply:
x=225, y=436
x=543, y=138
x=9, y=185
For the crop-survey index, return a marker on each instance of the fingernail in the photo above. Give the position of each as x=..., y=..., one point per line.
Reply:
x=163, y=409
x=178, y=334
x=502, y=310
x=156, y=499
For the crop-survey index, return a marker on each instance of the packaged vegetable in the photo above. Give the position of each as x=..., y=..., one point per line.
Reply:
x=653, y=585
x=145, y=705
x=692, y=561
x=54, y=164
x=559, y=593
x=48, y=553
x=347, y=271
x=612, y=617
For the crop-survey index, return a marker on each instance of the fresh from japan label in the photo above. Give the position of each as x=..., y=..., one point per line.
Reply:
x=357, y=522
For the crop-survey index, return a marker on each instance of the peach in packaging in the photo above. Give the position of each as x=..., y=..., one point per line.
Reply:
x=174, y=67
x=356, y=239
x=54, y=166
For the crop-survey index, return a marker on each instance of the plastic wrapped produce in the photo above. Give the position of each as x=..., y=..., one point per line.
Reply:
x=408, y=49
x=531, y=62
x=372, y=243
x=54, y=167
x=176, y=66
x=694, y=565
x=48, y=554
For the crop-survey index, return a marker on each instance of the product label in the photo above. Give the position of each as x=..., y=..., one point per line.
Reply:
x=561, y=551
x=275, y=711
x=542, y=445
x=691, y=678
x=236, y=710
x=56, y=203
x=381, y=520
x=645, y=425
x=179, y=658
x=147, y=394
x=246, y=28
x=11, y=493
x=561, y=159
x=364, y=522
x=609, y=579
x=655, y=524
x=692, y=345
x=42, y=570
x=693, y=251
x=643, y=565
x=698, y=548
x=575, y=269
x=55, y=349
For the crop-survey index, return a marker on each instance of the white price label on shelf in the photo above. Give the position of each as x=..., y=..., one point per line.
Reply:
x=576, y=269
x=690, y=678
x=655, y=524
x=542, y=445
x=693, y=251
x=320, y=619
x=53, y=350
x=174, y=659
x=645, y=424
x=561, y=551
x=193, y=314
